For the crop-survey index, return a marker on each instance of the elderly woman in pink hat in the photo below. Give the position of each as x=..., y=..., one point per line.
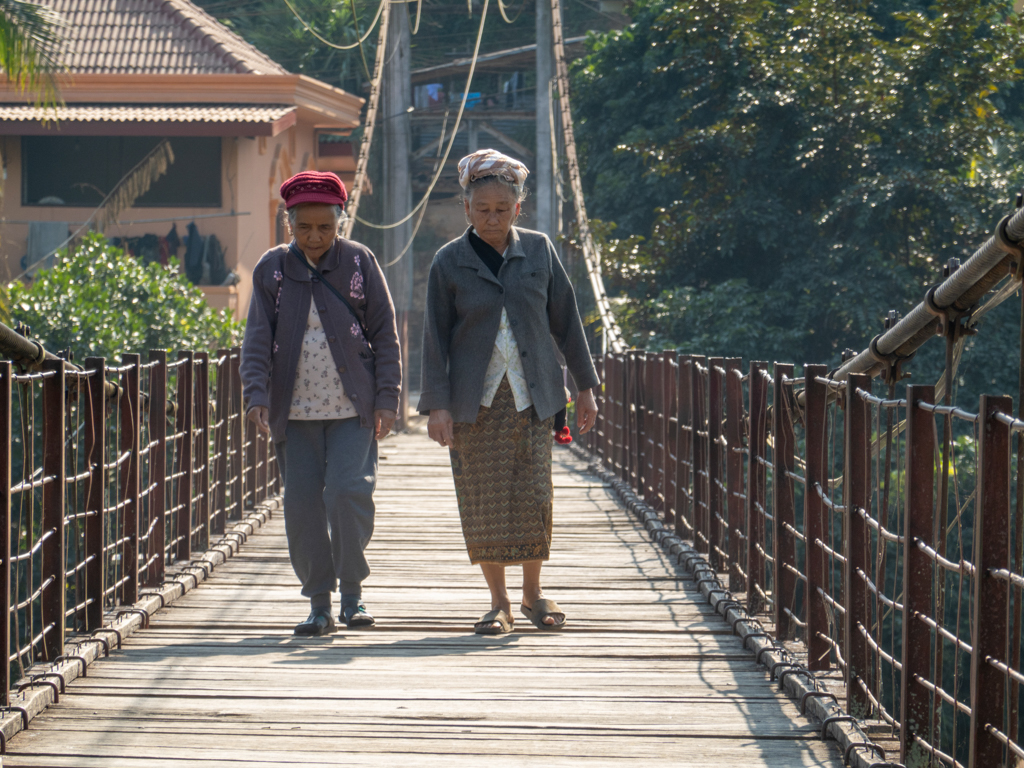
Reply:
x=321, y=372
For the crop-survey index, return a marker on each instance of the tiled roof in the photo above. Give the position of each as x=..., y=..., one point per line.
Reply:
x=170, y=37
x=145, y=113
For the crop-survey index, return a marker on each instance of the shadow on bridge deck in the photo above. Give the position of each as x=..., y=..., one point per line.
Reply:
x=645, y=670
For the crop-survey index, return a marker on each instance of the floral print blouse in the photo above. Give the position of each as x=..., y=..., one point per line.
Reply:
x=318, y=393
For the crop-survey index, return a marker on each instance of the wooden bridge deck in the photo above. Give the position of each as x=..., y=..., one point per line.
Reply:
x=645, y=671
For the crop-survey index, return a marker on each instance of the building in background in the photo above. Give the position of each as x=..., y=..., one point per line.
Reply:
x=238, y=124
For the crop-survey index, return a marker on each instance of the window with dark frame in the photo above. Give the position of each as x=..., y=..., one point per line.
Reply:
x=82, y=170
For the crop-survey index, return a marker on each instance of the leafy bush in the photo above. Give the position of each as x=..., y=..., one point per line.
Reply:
x=100, y=301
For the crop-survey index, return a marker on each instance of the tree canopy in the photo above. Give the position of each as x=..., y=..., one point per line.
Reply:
x=774, y=176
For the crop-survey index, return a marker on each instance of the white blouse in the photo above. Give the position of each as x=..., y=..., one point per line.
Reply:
x=506, y=361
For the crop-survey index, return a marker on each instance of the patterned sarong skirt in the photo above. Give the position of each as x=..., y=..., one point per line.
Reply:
x=502, y=470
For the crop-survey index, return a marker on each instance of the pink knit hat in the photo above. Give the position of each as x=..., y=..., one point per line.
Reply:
x=313, y=187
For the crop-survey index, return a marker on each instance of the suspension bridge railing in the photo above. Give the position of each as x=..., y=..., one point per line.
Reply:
x=110, y=476
x=881, y=531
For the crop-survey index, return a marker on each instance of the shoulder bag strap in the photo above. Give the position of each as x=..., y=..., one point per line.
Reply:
x=295, y=251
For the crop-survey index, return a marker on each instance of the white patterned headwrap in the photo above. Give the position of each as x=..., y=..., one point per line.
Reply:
x=491, y=162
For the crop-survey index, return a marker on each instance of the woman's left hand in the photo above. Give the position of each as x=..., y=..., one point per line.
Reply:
x=383, y=421
x=586, y=411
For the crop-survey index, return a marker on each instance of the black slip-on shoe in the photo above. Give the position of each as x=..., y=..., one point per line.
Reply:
x=356, y=616
x=320, y=622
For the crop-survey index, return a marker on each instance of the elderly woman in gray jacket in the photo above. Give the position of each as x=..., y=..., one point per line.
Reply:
x=498, y=303
x=321, y=371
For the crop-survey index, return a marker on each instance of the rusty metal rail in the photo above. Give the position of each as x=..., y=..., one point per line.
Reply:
x=947, y=304
x=880, y=531
x=108, y=477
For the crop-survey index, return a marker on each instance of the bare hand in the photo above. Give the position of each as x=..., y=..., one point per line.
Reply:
x=586, y=411
x=260, y=415
x=383, y=422
x=440, y=427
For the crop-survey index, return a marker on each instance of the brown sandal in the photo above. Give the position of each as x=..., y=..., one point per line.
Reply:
x=494, y=616
x=543, y=608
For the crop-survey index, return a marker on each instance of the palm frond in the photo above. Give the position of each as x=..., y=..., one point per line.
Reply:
x=31, y=47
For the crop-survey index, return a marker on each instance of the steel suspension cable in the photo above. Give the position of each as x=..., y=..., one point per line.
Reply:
x=451, y=142
x=591, y=256
x=423, y=211
x=504, y=13
x=371, y=120
x=338, y=46
x=419, y=14
x=359, y=34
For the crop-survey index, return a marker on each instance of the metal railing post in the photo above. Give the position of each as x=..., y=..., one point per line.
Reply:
x=6, y=436
x=784, y=546
x=158, y=464
x=990, y=627
x=656, y=430
x=634, y=384
x=918, y=577
x=645, y=425
x=684, y=448
x=670, y=463
x=758, y=442
x=54, y=597
x=612, y=383
x=185, y=426
x=698, y=456
x=237, y=438
x=608, y=417
x=203, y=512
x=274, y=481
x=251, y=457
x=856, y=538
x=734, y=468
x=96, y=452
x=589, y=441
x=220, y=467
x=815, y=561
x=262, y=465
x=716, y=503
x=624, y=439
x=624, y=416
x=131, y=431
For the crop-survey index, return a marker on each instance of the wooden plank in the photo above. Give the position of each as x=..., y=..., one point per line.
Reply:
x=645, y=670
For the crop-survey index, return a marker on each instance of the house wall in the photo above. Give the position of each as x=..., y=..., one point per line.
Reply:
x=262, y=165
x=245, y=224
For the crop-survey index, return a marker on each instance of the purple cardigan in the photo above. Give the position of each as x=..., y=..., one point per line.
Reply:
x=370, y=367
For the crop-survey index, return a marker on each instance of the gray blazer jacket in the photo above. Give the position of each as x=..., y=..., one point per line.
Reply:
x=464, y=301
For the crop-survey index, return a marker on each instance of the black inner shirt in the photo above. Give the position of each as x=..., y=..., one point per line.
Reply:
x=490, y=257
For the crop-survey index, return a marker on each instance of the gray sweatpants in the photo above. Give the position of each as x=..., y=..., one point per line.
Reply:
x=330, y=471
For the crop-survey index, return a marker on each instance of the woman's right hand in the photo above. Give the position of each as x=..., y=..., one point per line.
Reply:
x=439, y=427
x=260, y=415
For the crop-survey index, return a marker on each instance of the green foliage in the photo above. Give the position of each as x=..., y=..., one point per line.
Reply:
x=99, y=301
x=622, y=96
x=804, y=166
x=30, y=41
